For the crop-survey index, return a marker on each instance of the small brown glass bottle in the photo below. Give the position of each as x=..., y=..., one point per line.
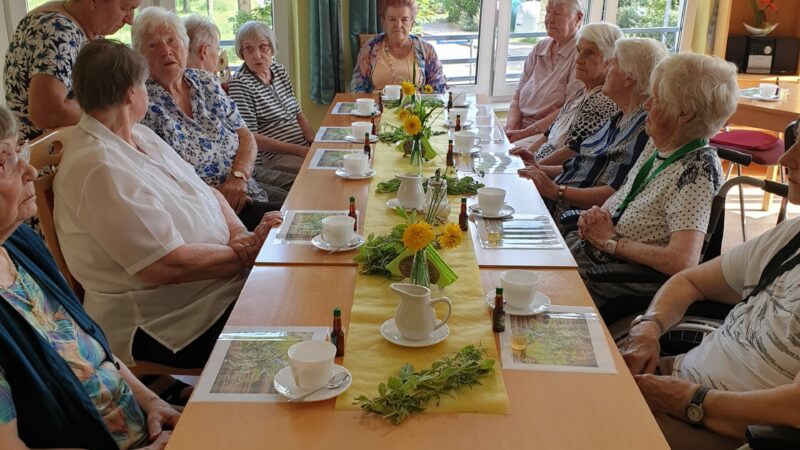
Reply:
x=449, y=159
x=380, y=103
x=353, y=213
x=374, y=127
x=462, y=216
x=367, y=149
x=498, y=314
x=449, y=101
x=337, y=335
x=458, y=123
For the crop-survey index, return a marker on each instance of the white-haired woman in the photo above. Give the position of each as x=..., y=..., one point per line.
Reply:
x=189, y=110
x=263, y=92
x=599, y=167
x=589, y=108
x=548, y=77
x=204, y=50
x=659, y=216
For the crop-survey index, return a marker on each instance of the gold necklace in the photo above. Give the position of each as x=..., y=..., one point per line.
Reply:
x=36, y=308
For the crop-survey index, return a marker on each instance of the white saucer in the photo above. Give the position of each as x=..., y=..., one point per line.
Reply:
x=284, y=384
x=394, y=203
x=505, y=211
x=358, y=113
x=351, y=138
x=773, y=98
x=362, y=176
x=472, y=151
x=540, y=304
x=464, y=124
x=465, y=105
x=356, y=242
x=390, y=332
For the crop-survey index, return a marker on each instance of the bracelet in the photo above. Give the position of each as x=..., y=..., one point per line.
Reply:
x=562, y=190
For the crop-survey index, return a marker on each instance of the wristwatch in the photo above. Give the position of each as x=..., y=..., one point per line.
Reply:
x=240, y=175
x=694, y=411
x=610, y=246
x=648, y=318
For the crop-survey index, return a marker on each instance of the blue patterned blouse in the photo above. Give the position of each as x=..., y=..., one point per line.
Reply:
x=208, y=140
x=368, y=58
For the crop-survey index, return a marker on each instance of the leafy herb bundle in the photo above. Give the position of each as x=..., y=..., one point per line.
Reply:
x=411, y=391
x=455, y=186
x=379, y=251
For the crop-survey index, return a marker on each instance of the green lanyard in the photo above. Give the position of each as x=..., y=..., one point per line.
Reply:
x=642, y=180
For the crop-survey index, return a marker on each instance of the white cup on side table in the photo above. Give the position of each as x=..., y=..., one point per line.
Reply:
x=768, y=90
x=519, y=287
x=311, y=363
x=356, y=163
x=337, y=231
x=491, y=200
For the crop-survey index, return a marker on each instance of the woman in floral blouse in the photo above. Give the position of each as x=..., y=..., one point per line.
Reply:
x=388, y=58
x=191, y=112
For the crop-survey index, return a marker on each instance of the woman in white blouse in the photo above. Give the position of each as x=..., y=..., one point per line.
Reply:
x=161, y=255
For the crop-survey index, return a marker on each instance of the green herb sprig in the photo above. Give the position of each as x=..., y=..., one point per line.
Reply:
x=410, y=391
x=378, y=251
x=455, y=186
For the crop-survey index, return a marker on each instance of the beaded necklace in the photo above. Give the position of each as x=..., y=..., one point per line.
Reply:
x=389, y=54
x=36, y=308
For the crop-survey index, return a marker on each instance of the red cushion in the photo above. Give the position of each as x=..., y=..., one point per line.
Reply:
x=745, y=140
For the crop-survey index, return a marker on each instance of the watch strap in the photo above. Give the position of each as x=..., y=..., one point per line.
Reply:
x=700, y=395
x=649, y=318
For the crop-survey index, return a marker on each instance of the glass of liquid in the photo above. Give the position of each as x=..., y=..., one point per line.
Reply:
x=493, y=232
x=519, y=343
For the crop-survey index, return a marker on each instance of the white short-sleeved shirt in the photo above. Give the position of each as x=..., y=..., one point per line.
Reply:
x=679, y=198
x=119, y=210
x=758, y=345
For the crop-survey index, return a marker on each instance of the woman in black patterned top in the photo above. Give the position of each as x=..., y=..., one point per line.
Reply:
x=265, y=98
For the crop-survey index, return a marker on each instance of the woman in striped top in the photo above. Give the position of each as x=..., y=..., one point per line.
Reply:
x=265, y=98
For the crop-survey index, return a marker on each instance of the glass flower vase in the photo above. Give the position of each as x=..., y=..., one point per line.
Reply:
x=417, y=159
x=419, y=269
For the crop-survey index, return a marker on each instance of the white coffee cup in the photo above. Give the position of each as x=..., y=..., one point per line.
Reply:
x=484, y=132
x=519, y=287
x=365, y=106
x=391, y=92
x=311, y=363
x=491, y=200
x=459, y=97
x=767, y=90
x=483, y=121
x=463, y=141
x=463, y=112
x=337, y=231
x=356, y=163
x=360, y=129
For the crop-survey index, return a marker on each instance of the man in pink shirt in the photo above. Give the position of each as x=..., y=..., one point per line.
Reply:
x=548, y=78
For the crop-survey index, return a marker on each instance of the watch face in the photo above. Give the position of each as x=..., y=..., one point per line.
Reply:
x=611, y=246
x=694, y=413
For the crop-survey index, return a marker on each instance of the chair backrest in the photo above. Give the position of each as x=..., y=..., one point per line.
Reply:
x=363, y=38
x=46, y=153
x=790, y=134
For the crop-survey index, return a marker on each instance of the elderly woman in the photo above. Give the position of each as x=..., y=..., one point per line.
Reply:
x=659, y=216
x=60, y=385
x=589, y=108
x=37, y=77
x=548, y=78
x=263, y=92
x=161, y=255
x=204, y=50
x=599, y=167
x=191, y=112
x=394, y=55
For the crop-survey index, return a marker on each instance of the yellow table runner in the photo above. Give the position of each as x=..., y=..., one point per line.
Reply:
x=369, y=357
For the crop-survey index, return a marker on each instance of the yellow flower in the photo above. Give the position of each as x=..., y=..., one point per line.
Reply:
x=403, y=113
x=408, y=88
x=412, y=125
x=428, y=89
x=418, y=235
x=450, y=236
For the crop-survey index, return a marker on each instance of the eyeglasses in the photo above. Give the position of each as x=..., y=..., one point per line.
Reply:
x=12, y=162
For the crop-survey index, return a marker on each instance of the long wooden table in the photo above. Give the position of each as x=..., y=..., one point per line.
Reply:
x=300, y=286
x=774, y=116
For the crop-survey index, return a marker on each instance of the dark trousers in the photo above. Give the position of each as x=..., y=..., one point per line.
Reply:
x=251, y=214
x=193, y=356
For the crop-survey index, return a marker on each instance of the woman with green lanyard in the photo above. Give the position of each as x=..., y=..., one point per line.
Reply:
x=659, y=217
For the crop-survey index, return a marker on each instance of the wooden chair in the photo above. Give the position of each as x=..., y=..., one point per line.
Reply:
x=46, y=153
x=363, y=38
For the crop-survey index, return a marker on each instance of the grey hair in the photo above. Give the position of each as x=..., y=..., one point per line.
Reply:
x=700, y=85
x=603, y=35
x=575, y=5
x=154, y=20
x=254, y=30
x=8, y=123
x=637, y=57
x=201, y=30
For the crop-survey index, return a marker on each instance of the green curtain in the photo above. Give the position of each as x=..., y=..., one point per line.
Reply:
x=363, y=20
x=327, y=50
